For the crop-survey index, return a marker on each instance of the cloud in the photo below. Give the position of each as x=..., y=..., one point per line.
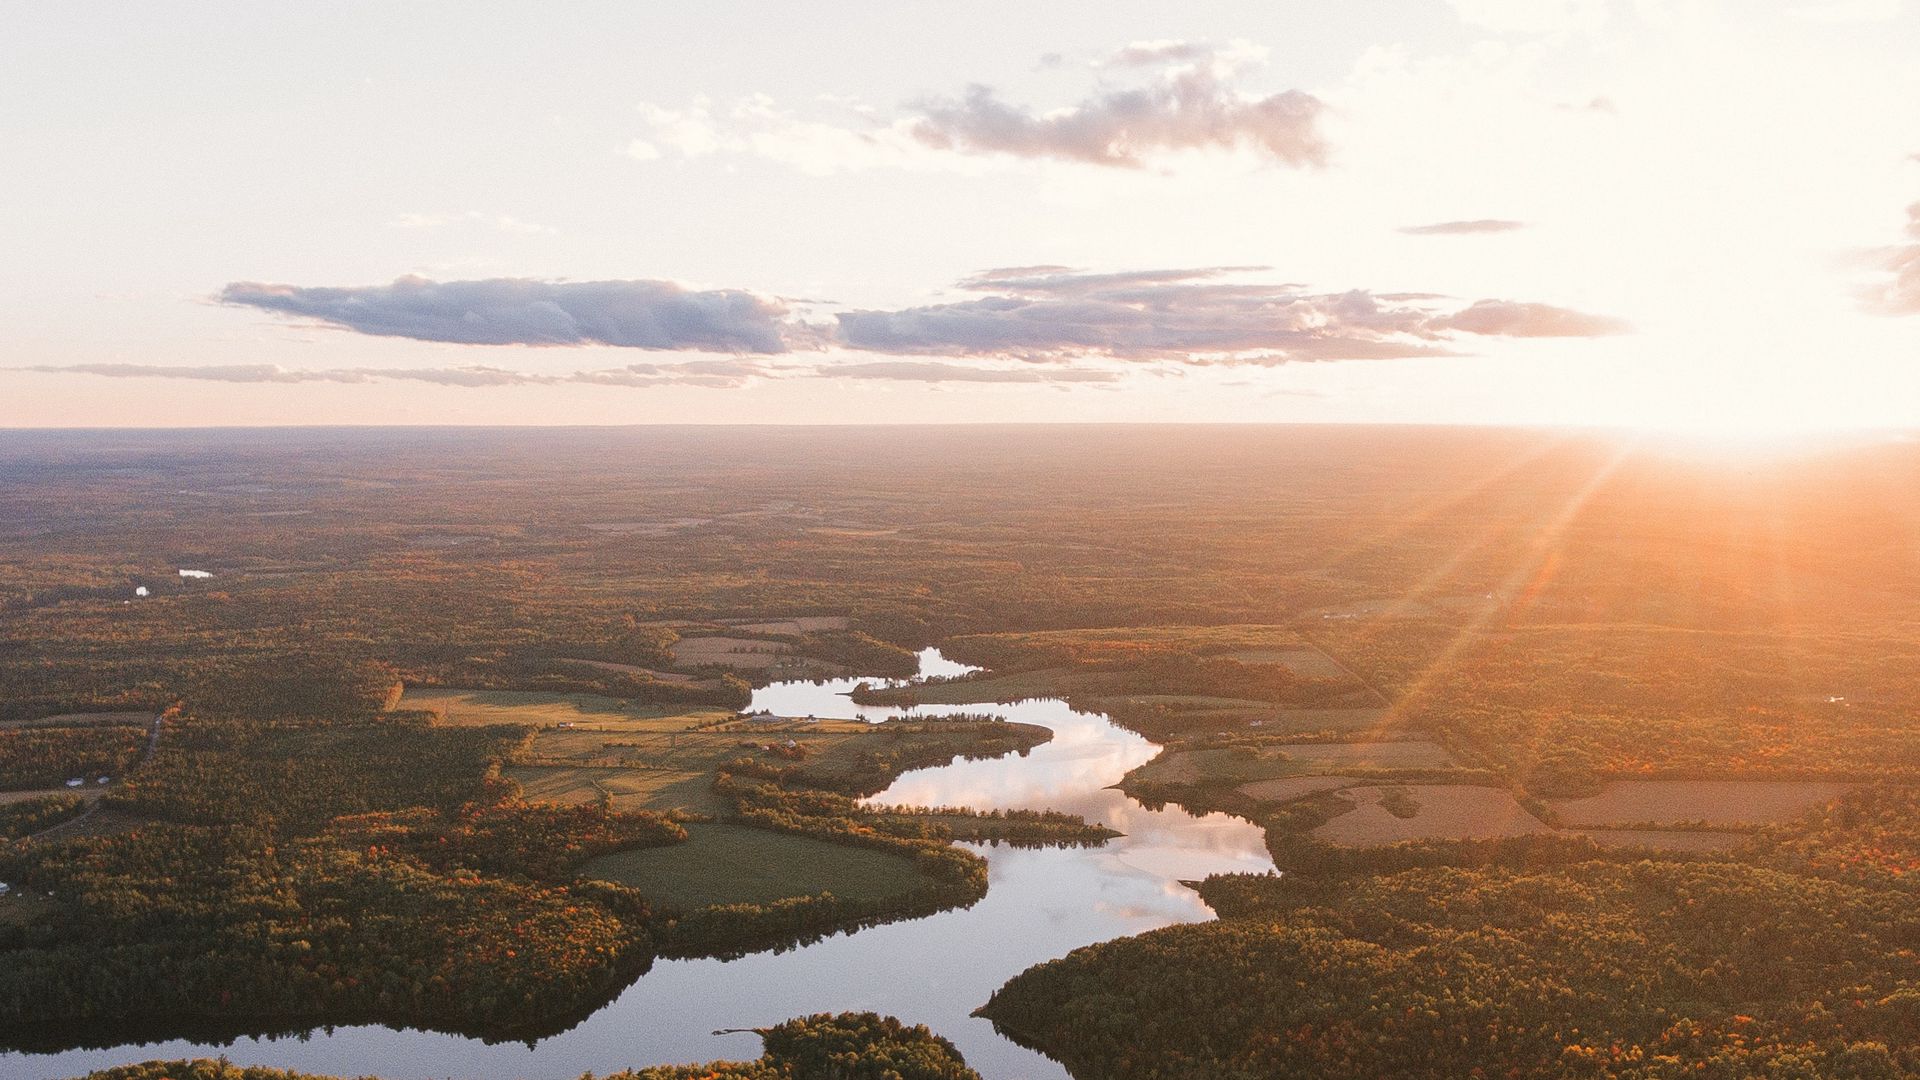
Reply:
x=1204, y=315
x=471, y=376
x=936, y=371
x=1464, y=228
x=519, y=311
x=232, y=373
x=1191, y=106
x=1185, y=98
x=714, y=374
x=711, y=374
x=1507, y=318
x=1899, y=294
x=1192, y=316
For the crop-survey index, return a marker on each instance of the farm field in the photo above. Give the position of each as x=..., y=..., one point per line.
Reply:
x=1713, y=802
x=1287, y=789
x=1428, y=812
x=1237, y=765
x=624, y=788
x=745, y=653
x=1394, y=754
x=630, y=669
x=731, y=864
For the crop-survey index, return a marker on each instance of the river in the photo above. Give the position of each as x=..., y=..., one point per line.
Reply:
x=936, y=970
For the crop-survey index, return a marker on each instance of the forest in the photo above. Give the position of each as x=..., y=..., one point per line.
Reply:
x=1320, y=628
x=1798, y=957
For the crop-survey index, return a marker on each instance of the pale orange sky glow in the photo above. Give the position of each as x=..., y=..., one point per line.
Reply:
x=1661, y=213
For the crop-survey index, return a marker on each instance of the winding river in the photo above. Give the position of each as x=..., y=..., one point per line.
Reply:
x=935, y=970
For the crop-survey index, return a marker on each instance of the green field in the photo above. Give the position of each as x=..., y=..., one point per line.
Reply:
x=733, y=864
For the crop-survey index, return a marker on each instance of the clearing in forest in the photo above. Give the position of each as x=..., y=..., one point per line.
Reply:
x=1236, y=765
x=1434, y=812
x=734, y=864
x=733, y=652
x=626, y=788
x=543, y=710
x=628, y=669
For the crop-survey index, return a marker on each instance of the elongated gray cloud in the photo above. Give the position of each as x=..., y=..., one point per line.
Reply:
x=1191, y=316
x=1478, y=226
x=1044, y=314
x=520, y=311
x=1194, y=106
x=1899, y=294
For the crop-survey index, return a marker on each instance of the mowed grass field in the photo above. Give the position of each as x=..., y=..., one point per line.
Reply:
x=733, y=864
x=639, y=756
x=625, y=787
x=1233, y=766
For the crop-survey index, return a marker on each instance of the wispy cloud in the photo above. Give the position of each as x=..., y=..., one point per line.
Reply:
x=1509, y=318
x=232, y=373
x=519, y=311
x=1473, y=227
x=712, y=374
x=1899, y=292
x=1176, y=96
x=936, y=371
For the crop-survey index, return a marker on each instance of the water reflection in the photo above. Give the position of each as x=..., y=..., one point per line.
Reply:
x=1040, y=904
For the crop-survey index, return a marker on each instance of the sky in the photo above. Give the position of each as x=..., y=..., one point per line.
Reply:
x=1670, y=213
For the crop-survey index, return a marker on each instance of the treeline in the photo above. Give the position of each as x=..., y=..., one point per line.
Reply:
x=300, y=774
x=512, y=671
x=25, y=818
x=543, y=841
x=860, y=652
x=896, y=746
x=47, y=757
x=1017, y=828
x=1870, y=836
x=392, y=917
x=1531, y=956
x=846, y=1046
